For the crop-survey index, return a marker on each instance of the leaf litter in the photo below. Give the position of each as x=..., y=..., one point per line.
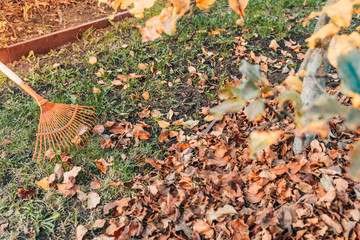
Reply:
x=210, y=187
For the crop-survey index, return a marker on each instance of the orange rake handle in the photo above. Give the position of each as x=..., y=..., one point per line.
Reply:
x=10, y=74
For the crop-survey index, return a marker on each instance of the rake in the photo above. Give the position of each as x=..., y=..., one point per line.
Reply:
x=61, y=126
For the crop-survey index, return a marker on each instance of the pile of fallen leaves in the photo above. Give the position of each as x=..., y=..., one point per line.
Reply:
x=209, y=188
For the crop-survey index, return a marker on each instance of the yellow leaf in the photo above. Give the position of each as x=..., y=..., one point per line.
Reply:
x=204, y=4
x=181, y=7
x=239, y=6
x=126, y=3
x=316, y=128
x=311, y=16
x=294, y=83
x=165, y=22
x=145, y=95
x=326, y=31
x=262, y=139
x=96, y=90
x=342, y=44
x=140, y=6
x=340, y=12
x=43, y=183
x=163, y=124
x=92, y=60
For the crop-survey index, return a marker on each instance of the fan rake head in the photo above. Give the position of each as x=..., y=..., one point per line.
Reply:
x=62, y=126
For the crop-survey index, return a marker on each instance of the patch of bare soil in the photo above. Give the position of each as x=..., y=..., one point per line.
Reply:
x=26, y=19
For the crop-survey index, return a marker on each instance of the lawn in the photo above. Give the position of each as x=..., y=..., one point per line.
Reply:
x=66, y=76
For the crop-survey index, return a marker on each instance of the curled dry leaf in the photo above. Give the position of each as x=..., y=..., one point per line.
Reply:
x=71, y=174
x=98, y=129
x=58, y=170
x=101, y=164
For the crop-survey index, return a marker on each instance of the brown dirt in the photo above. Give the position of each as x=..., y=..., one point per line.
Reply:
x=26, y=19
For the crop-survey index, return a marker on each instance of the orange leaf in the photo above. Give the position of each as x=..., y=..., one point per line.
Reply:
x=101, y=164
x=239, y=6
x=145, y=95
x=163, y=124
x=204, y=4
x=96, y=90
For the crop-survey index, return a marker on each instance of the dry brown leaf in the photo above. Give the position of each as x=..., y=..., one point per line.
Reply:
x=80, y=232
x=93, y=200
x=163, y=138
x=81, y=196
x=329, y=196
x=95, y=184
x=98, y=129
x=156, y=113
x=332, y=223
x=220, y=214
x=99, y=223
x=274, y=45
x=58, y=171
x=202, y=227
x=26, y=194
x=71, y=174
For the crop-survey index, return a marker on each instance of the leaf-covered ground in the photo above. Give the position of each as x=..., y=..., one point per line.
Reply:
x=156, y=165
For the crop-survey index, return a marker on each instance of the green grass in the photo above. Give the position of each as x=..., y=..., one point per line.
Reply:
x=48, y=214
